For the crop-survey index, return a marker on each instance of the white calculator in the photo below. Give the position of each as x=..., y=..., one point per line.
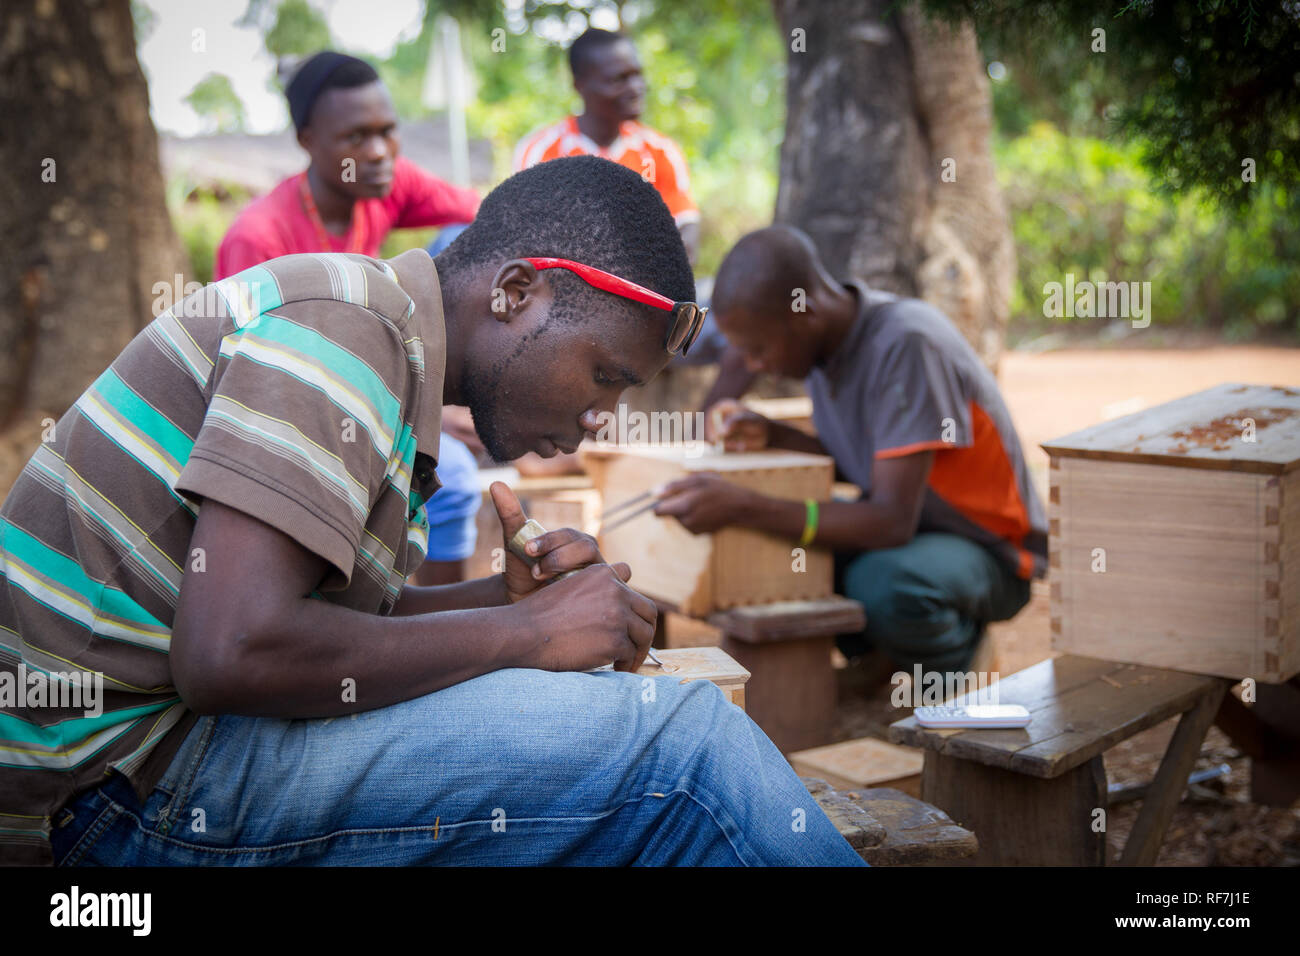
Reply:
x=976, y=716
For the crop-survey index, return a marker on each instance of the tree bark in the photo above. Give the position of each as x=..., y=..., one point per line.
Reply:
x=876, y=102
x=84, y=228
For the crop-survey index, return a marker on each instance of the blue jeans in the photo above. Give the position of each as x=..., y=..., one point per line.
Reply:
x=515, y=767
x=928, y=601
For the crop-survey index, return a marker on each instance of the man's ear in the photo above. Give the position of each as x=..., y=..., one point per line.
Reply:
x=305, y=138
x=516, y=288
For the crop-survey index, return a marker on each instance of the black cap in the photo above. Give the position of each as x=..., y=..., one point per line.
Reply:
x=313, y=77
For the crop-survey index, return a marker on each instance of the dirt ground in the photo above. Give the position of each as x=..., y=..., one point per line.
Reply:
x=1051, y=394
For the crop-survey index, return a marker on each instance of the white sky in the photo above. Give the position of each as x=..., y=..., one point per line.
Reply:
x=172, y=65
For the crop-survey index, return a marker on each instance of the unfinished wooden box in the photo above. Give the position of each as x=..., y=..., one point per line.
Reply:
x=1175, y=535
x=699, y=574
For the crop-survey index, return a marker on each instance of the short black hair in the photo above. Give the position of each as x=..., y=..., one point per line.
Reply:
x=763, y=269
x=584, y=208
x=326, y=70
x=584, y=50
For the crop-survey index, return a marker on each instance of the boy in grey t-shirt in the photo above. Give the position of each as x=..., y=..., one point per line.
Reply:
x=949, y=531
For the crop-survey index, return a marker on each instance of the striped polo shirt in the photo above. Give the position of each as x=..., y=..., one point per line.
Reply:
x=297, y=391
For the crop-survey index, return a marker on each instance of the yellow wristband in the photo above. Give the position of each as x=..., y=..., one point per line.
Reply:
x=810, y=523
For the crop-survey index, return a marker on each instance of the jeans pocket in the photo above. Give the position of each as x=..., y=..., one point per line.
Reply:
x=166, y=806
x=86, y=818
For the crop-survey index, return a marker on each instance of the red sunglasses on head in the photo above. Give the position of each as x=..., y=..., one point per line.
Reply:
x=688, y=317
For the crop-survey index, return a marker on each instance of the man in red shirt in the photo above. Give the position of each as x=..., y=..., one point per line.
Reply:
x=356, y=190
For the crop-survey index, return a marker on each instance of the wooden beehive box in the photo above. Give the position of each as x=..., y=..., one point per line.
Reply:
x=1175, y=537
x=699, y=574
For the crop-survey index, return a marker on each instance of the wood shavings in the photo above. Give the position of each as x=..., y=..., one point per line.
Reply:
x=1219, y=434
x=1112, y=683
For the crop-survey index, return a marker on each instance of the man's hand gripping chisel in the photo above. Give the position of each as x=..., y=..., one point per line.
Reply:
x=517, y=545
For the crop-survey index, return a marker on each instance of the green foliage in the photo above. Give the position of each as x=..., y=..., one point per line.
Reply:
x=1203, y=84
x=400, y=240
x=1097, y=182
x=201, y=217
x=217, y=104
x=1083, y=206
x=145, y=20
x=290, y=27
x=718, y=92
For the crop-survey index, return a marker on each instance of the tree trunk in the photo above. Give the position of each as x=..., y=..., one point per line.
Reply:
x=878, y=102
x=84, y=229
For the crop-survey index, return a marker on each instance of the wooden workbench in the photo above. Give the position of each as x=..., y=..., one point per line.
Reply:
x=1037, y=796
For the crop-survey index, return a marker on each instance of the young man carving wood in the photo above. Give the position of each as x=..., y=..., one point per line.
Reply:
x=223, y=525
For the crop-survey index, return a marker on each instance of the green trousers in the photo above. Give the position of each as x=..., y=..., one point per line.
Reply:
x=928, y=601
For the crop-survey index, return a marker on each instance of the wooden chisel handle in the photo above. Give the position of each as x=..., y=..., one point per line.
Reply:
x=530, y=530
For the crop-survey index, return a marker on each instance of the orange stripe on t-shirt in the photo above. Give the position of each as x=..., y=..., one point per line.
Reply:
x=979, y=481
x=911, y=449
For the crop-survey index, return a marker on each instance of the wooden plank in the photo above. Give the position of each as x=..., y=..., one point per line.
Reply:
x=736, y=566
x=855, y=824
x=701, y=663
x=916, y=833
x=867, y=762
x=791, y=620
x=1020, y=820
x=1100, y=716
x=1158, y=806
x=1035, y=688
x=1078, y=709
x=795, y=411
x=1200, y=431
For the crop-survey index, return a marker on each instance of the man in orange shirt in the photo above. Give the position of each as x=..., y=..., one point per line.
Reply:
x=607, y=75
